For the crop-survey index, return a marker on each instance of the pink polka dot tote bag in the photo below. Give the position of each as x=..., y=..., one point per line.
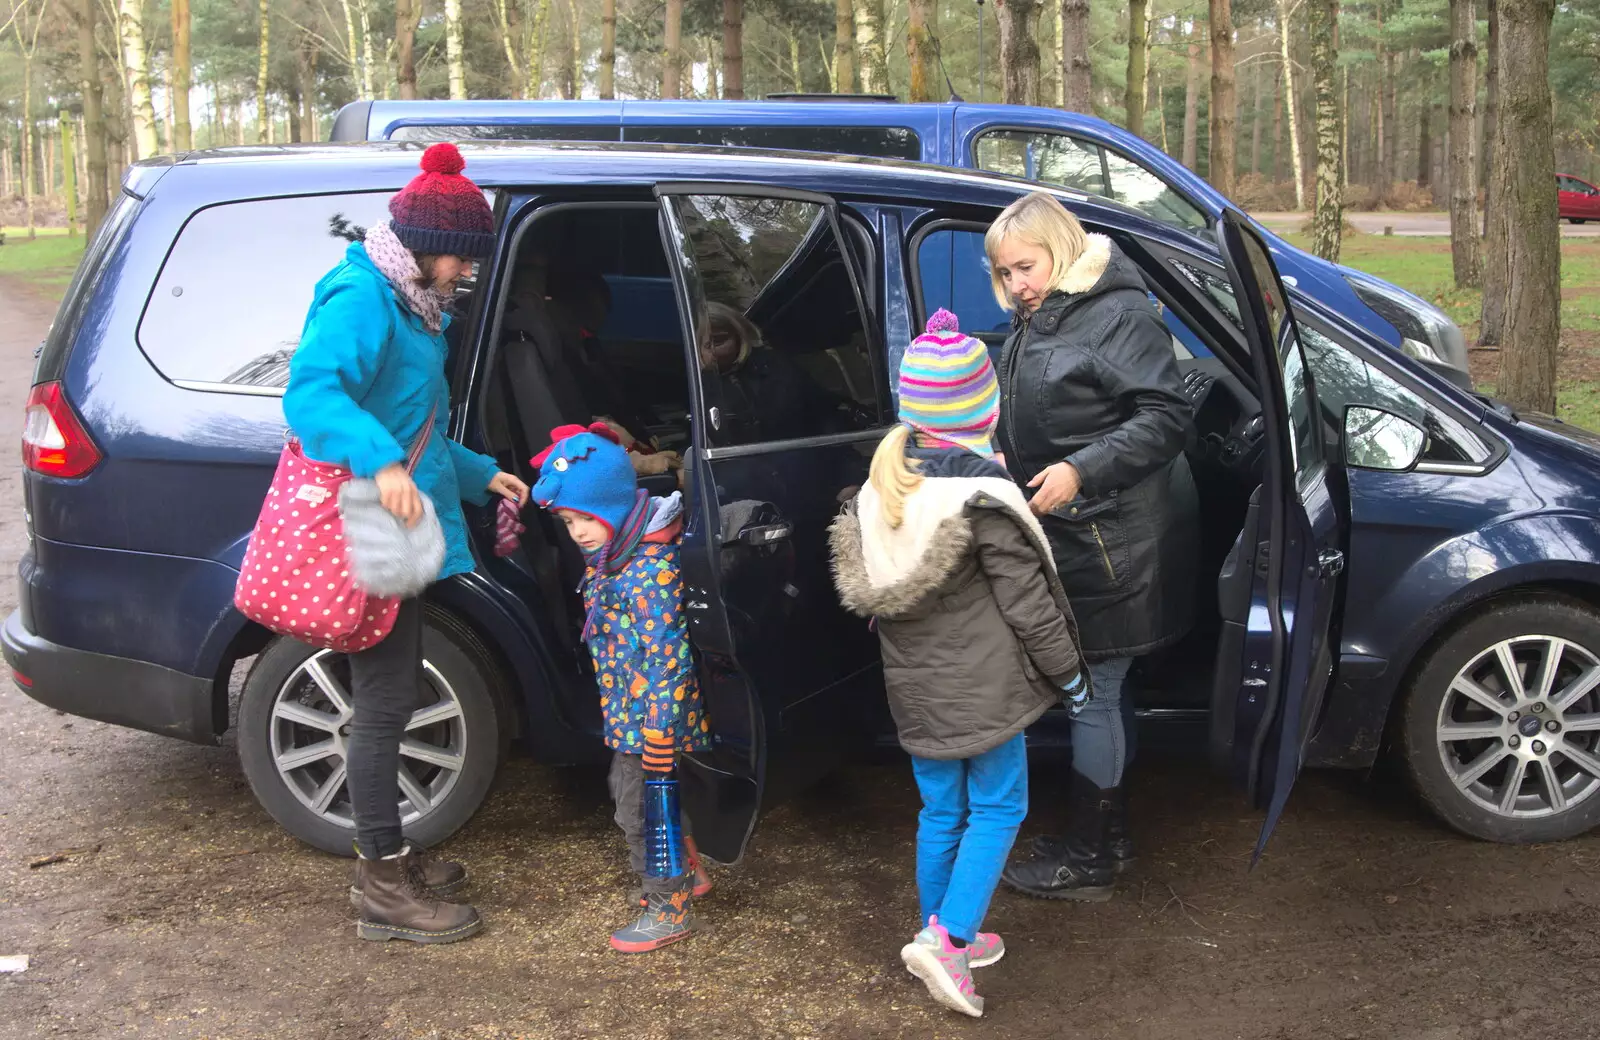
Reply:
x=296, y=579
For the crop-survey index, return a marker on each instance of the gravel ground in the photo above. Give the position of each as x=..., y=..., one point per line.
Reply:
x=180, y=910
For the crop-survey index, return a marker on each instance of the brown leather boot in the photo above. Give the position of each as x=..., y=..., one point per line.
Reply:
x=396, y=904
x=442, y=876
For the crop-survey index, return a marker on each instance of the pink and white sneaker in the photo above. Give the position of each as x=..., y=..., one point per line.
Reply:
x=985, y=950
x=945, y=970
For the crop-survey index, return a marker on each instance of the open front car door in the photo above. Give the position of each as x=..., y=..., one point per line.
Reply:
x=1278, y=587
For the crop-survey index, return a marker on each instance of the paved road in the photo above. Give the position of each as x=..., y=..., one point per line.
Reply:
x=1407, y=224
x=182, y=912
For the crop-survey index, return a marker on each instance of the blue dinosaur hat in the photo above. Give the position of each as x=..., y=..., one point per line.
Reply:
x=587, y=471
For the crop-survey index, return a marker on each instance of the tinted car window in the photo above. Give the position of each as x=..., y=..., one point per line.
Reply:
x=230, y=301
x=1084, y=166
x=883, y=142
x=508, y=132
x=783, y=345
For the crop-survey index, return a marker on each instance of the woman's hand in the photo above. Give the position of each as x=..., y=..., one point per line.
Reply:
x=509, y=488
x=1057, y=484
x=399, y=494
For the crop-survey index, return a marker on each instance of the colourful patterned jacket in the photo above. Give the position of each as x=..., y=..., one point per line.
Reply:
x=639, y=639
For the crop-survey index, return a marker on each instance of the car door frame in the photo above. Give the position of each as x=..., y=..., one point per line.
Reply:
x=714, y=794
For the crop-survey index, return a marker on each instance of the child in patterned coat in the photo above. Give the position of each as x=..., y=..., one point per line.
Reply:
x=636, y=633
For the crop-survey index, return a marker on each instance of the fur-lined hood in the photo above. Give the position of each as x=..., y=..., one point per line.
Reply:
x=888, y=571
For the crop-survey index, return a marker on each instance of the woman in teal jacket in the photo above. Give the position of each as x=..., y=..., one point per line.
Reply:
x=366, y=378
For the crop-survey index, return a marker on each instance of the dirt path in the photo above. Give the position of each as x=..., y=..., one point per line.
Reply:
x=187, y=913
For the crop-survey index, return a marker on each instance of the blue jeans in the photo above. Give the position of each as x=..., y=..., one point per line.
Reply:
x=1100, y=732
x=971, y=810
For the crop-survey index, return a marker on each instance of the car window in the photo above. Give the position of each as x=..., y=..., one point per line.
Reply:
x=783, y=345
x=883, y=142
x=1342, y=378
x=1084, y=166
x=506, y=132
x=203, y=325
x=953, y=273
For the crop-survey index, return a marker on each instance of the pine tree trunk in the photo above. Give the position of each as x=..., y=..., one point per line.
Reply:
x=306, y=71
x=1524, y=186
x=1297, y=165
x=1463, y=157
x=1495, y=216
x=1256, y=115
x=608, y=46
x=69, y=170
x=1323, y=18
x=871, y=51
x=672, y=54
x=94, y=120
x=407, y=16
x=1191, y=99
x=182, y=76
x=733, y=50
x=538, y=27
x=455, y=50
x=1224, y=108
x=1425, y=126
x=508, y=41
x=1019, y=50
x=1161, y=109
x=137, y=60
x=924, y=23
x=575, y=52
x=1138, y=58
x=263, y=125
x=1279, y=169
x=1076, y=73
x=844, y=47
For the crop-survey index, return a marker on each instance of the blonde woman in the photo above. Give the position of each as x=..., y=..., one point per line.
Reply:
x=1093, y=419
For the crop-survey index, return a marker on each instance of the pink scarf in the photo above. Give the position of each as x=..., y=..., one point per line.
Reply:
x=399, y=265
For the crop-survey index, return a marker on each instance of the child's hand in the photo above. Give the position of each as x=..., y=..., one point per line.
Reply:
x=399, y=494
x=509, y=487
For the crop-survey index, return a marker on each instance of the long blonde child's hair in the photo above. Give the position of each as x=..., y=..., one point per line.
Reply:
x=893, y=476
x=1038, y=219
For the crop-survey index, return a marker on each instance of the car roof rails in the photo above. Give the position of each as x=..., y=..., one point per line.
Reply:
x=797, y=96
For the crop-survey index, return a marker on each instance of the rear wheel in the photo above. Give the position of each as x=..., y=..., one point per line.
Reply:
x=294, y=729
x=1501, y=731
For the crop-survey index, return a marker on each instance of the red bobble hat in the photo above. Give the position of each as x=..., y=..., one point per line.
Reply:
x=442, y=212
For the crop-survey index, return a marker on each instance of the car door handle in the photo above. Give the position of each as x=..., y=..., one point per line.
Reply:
x=765, y=534
x=1330, y=563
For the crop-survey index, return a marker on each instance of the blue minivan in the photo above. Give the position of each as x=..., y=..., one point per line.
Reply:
x=1044, y=145
x=1387, y=561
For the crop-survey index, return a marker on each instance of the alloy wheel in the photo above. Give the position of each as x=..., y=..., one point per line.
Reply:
x=1519, y=726
x=310, y=736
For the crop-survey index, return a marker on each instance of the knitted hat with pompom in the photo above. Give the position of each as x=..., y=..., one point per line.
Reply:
x=441, y=212
x=948, y=389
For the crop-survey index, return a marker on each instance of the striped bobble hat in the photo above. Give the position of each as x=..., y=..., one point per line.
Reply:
x=948, y=389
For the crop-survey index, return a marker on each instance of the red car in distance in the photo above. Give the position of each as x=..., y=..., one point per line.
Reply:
x=1580, y=200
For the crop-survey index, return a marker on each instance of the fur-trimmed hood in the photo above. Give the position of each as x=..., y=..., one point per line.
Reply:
x=883, y=570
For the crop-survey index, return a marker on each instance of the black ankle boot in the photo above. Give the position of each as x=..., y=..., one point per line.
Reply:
x=1118, y=842
x=1083, y=869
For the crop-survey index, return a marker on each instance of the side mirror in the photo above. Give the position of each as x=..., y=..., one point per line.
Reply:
x=1376, y=439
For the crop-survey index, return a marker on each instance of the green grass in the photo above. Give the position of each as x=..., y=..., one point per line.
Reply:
x=1423, y=266
x=46, y=263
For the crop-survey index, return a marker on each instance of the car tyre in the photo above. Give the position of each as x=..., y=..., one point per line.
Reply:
x=1450, y=731
x=463, y=735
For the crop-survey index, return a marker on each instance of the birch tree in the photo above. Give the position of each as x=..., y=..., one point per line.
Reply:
x=871, y=51
x=844, y=47
x=1463, y=157
x=136, y=62
x=1328, y=223
x=353, y=51
x=1077, y=81
x=263, y=123
x=20, y=13
x=1293, y=128
x=1524, y=177
x=454, y=49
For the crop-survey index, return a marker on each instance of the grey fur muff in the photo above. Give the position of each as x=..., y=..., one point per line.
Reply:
x=387, y=558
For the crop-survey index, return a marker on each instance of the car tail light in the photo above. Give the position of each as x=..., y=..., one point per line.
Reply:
x=54, y=442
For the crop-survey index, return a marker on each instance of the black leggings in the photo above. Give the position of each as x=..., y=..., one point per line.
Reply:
x=385, y=688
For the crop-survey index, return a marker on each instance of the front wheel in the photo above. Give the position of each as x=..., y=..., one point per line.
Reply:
x=294, y=729
x=1501, y=726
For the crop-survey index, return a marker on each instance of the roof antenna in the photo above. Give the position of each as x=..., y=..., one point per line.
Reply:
x=938, y=54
